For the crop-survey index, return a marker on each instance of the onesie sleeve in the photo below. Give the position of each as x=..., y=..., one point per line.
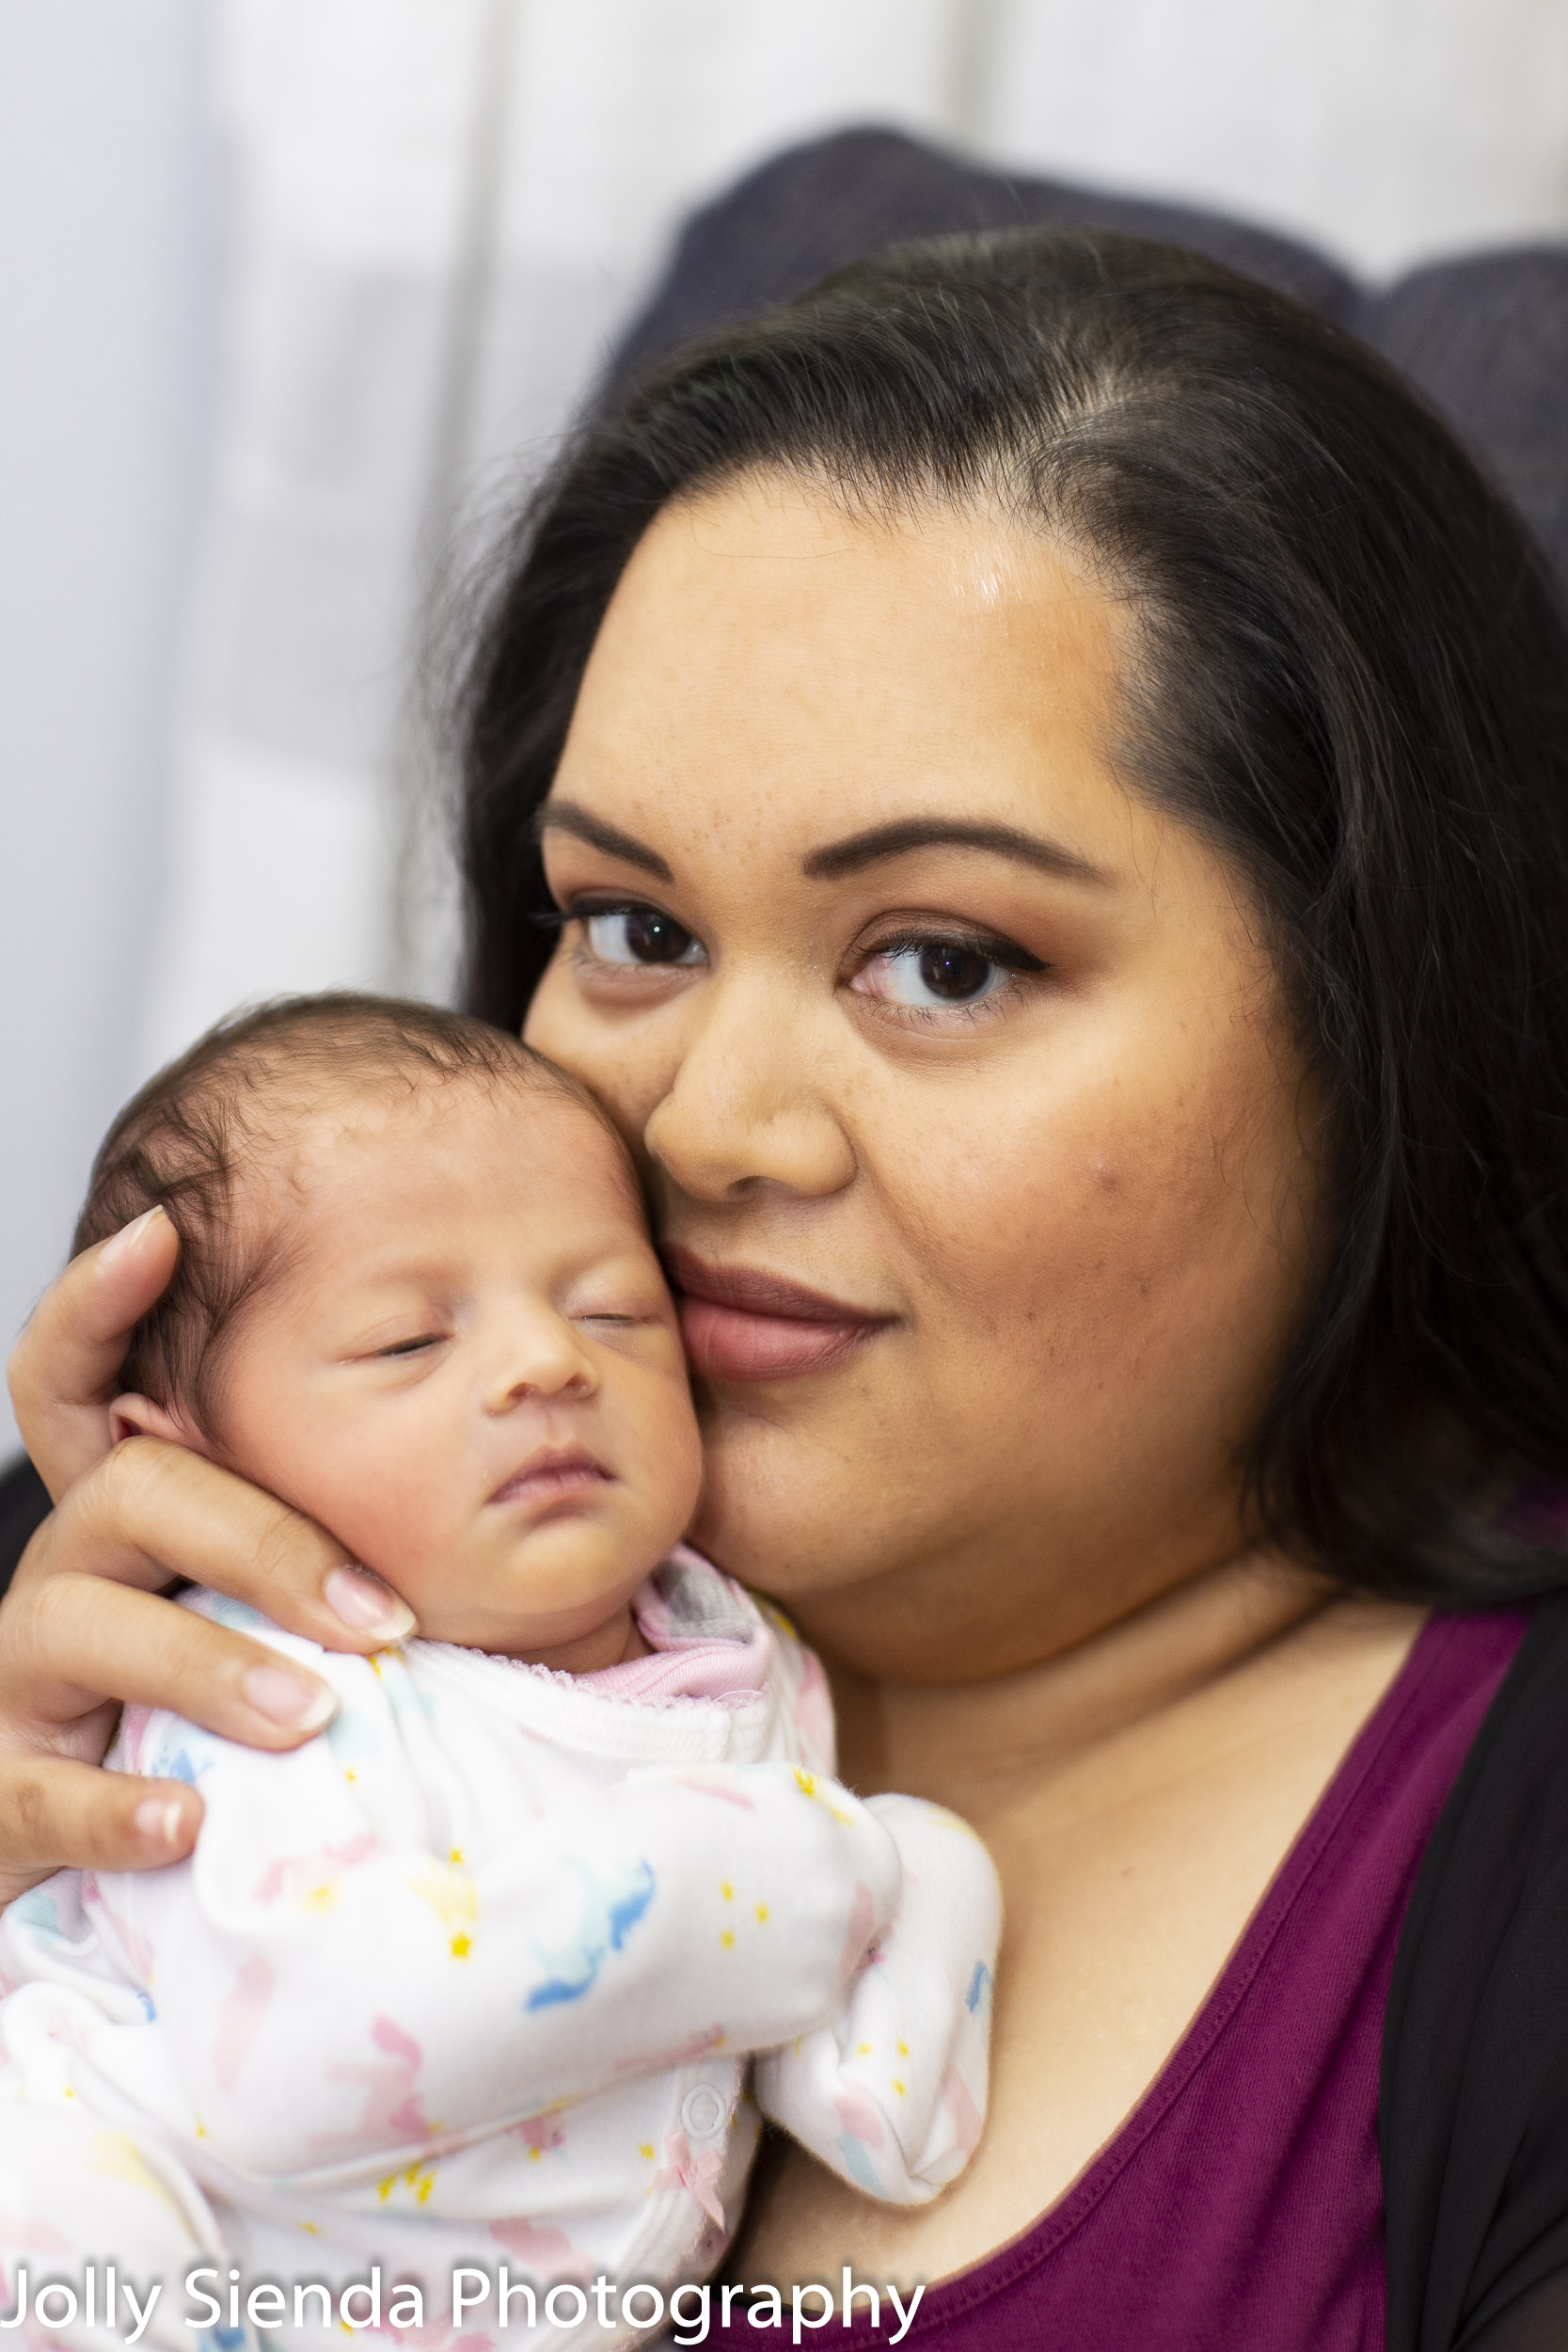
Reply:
x=890, y=2092
x=334, y=1983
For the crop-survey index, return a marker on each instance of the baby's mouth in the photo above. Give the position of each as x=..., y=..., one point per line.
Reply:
x=558, y=1474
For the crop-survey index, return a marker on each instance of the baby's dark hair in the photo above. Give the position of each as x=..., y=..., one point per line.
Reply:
x=189, y=1139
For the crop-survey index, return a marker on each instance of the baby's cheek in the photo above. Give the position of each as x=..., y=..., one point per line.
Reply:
x=390, y=1507
x=661, y=1446
x=317, y=1464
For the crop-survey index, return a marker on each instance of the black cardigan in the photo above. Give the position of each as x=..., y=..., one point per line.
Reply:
x=1473, y=2122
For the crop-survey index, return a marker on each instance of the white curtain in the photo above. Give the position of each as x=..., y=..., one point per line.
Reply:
x=1387, y=131
x=293, y=294
x=445, y=208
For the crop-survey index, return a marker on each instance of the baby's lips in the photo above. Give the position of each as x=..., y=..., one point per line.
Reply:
x=563, y=1463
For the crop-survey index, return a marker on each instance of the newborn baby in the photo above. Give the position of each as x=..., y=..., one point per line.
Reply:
x=471, y=1979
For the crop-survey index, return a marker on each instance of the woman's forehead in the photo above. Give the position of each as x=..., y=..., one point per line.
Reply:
x=796, y=560
x=771, y=655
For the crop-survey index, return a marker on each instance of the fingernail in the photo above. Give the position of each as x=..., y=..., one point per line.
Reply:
x=160, y=1819
x=364, y=1602
x=286, y=1699
x=120, y=1243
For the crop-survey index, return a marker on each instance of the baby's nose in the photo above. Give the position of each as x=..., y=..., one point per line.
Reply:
x=544, y=1360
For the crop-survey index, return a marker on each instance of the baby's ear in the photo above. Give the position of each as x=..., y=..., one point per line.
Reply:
x=138, y=1417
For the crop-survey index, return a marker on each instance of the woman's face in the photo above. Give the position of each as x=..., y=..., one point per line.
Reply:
x=907, y=1001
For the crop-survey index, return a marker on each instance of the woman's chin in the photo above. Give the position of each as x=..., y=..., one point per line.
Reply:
x=767, y=1522
x=750, y=1524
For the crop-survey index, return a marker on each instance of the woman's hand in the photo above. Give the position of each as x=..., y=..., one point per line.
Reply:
x=84, y=1627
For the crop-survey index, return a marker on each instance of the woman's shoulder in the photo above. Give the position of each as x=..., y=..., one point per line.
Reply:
x=1474, y=2107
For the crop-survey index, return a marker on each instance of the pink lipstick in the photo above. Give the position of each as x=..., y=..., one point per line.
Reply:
x=740, y=1323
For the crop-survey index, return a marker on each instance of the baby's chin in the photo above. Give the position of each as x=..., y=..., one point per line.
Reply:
x=612, y=1637
x=563, y=1585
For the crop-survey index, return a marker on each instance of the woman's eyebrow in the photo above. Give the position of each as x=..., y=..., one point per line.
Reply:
x=566, y=817
x=838, y=858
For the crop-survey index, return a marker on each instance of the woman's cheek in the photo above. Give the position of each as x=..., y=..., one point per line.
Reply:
x=1069, y=1253
x=628, y=1064
x=556, y=1025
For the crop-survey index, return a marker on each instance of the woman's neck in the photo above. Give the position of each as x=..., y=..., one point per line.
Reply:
x=963, y=1743
x=1137, y=1793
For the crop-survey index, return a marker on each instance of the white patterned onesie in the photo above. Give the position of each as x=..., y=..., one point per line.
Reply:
x=471, y=1979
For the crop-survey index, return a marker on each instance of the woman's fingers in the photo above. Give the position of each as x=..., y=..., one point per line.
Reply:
x=84, y=1628
x=86, y=1637
x=83, y=1623
x=65, y=1369
x=55, y=1813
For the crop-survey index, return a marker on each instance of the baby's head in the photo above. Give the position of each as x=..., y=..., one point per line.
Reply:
x=417, y=1299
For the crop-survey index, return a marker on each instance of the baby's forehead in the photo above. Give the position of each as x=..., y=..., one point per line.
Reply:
x=444, y=1144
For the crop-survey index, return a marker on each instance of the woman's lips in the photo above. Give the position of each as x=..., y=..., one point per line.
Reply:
x=741, y=1323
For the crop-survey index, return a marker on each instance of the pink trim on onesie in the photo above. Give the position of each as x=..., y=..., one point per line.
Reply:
x=685, y=1663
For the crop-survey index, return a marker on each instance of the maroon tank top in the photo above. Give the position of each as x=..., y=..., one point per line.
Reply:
x=1239, y=2208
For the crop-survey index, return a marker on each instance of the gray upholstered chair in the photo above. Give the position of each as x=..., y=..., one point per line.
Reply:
x=1484, y=337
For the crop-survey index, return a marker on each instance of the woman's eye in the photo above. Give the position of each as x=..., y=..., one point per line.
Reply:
x=639, y=935
x=930, y=974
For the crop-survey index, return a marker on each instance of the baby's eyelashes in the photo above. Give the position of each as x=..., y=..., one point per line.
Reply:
x=611, y=1327
x=391, y=1351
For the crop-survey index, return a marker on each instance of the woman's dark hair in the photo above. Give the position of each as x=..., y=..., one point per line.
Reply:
x=1352, y=677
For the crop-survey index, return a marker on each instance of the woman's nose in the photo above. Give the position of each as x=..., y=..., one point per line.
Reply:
x=540, y=1357
x=745, y=1108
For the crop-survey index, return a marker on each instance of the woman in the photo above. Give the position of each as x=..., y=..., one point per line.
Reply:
x=1032, y=783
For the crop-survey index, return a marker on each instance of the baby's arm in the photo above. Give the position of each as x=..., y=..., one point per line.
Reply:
x=333, y=1986
x=890, y=2092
